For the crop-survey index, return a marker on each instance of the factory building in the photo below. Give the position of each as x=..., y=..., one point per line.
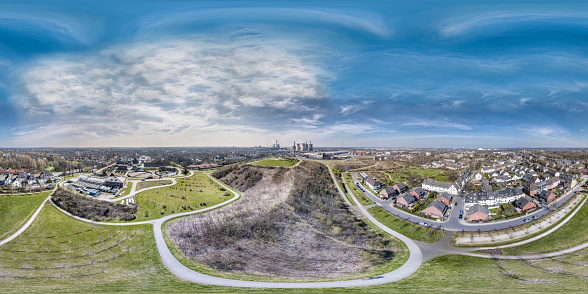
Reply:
x=302, y=146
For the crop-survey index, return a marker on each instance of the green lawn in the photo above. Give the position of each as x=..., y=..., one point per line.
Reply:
x=188, y=194
x=277, y=162
x=134, y=266
x=126, y=190
x=364, y=200
x=399, y=175
x=571, y=234
x=147, y=184
x=16, y=210
x=60, y=254
x=408, y=229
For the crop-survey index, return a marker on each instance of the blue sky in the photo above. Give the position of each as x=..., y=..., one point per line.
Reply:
x=357, y=73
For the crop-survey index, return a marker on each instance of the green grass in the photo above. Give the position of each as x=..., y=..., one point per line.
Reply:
x=125, y=191
x=147, y=184
x=408, y=229
x=60, y=254
x=571, y=234
x=399, y=175
x=16, y=210
x=364, y=200
x=277, y=162
x=193, y=192
x=140, y=271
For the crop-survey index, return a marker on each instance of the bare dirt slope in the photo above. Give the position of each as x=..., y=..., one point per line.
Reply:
x=290, y=223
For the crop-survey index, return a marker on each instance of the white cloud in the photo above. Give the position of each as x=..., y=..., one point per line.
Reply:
x=178, y=90
x=440, y=123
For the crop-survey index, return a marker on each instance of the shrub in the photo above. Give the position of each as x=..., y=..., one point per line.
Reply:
x=92, y=209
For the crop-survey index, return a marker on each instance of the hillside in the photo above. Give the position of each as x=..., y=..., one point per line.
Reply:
x=291, y=223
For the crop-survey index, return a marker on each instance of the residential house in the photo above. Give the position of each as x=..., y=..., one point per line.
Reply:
x=478, y=213
x=445, y=198
x=552, y=173
x=373, y=183
x=568, y=181
x=436, y=209
x=552, y=183
x=406, y=200
x=418, y=192
x=440, y=187
x=400, y=188
x=387, y=193
x=546, y=196
x=524, y=204
x=492, y=198
x=44, y=176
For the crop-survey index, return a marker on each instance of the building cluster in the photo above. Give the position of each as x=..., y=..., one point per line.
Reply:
x=95, y=185
x=302, y=146
x=20, y=178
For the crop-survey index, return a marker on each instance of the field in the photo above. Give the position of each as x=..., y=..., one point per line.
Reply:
x=16, y=210
x=277, y=162
x=147, y=184
x=408, y=229
x=403, y=174
x=188, y=194
x=125, y=191
x=58, y=253
x=571, y=234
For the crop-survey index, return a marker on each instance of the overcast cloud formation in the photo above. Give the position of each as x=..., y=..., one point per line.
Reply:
x=428, y=74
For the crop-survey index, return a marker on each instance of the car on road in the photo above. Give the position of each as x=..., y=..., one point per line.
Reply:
x=461, y=216
x=461, y=211
x=526, y=220
x=534, y=217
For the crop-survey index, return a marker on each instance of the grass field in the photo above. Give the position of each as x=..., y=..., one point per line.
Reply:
x=571, y=234
x=408, y=229
x=364, y=200
x=139, y=269
x=58, y=253
x=147, y=184
x=188, y=194
x=399, y=175
x=16, y=210
x=277, y=162
x=126, y=190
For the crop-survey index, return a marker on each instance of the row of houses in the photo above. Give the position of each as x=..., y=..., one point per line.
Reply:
x=492, y=198
x=18, y=178
x=441, y=187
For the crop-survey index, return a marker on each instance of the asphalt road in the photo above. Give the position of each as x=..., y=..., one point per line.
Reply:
x=453, y=223
x=414, y=261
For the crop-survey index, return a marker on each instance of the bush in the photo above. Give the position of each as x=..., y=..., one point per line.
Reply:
x=92, y=209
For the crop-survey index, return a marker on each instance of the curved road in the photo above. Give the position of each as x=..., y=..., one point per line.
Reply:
x=453, y=223
x=413, y=263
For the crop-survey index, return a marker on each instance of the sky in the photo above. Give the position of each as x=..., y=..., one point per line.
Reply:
x=337, y=73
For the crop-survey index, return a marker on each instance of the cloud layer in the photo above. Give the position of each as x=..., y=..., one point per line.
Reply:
x=178, y=87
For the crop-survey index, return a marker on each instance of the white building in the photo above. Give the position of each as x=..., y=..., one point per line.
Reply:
x=440, y=187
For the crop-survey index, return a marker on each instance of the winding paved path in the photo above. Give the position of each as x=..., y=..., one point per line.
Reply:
x=413, y=263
